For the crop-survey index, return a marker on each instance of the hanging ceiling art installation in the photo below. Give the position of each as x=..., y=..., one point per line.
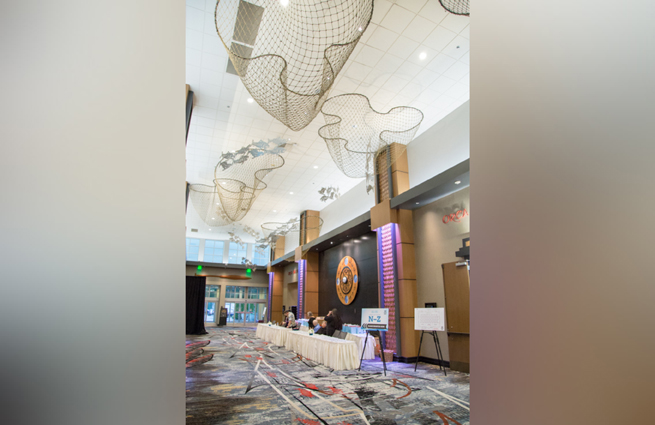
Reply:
x=329, y=193
x=238, y=180
x=356, y=134
x=289, y=52
x=456, y=7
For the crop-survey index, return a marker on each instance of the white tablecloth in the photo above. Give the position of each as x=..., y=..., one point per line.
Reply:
x=359, y=340
x=339, y=354
x=275, y=334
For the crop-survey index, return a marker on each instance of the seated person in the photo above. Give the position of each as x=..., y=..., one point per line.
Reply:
x=311, y=320
x=322, y=329
x=289, y=319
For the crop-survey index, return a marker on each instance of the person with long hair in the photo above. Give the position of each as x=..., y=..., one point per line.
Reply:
x=334, y=322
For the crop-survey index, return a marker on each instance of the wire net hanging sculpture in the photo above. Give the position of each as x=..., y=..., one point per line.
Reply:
x=238, y=180
x=206, y=202
x=356, y=134
x=289, y=52
x=456, y=7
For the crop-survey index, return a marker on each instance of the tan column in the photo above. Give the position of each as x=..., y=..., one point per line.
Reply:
x=407, y=296
x=393, y=179
x=276, y=296
x=311, y=283
x=279, y=248
x=309, y=226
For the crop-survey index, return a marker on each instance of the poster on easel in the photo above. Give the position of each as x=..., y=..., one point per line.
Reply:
x=430, y=319
x=375, y=319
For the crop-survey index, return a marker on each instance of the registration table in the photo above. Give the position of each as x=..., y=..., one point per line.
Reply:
x=275, y=334
x=359, y=339
x=339, y=354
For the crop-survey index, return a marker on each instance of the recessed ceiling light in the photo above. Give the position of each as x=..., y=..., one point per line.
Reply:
x=284, y=3
x=250, y=100
x=422, y=56
x=290, y=193
x=315, y=166
x=331, y=243
x=274, y=210
x=417, y=203
x=213, y=218
x=457, y=182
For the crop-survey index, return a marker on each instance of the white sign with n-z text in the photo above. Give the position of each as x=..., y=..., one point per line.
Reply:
x=375, y=319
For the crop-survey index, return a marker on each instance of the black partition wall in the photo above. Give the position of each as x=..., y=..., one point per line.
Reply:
x=364, y=251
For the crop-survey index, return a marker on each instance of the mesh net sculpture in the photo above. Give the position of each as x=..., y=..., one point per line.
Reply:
x=238, y=180
x=289, y=52
x=356, y=134
x=456, y=7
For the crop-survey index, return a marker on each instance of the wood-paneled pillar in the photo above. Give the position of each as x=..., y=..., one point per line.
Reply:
x=310, y=226
x=399, y=264
x=279, y=248
x=311, y=283
x=276, y=288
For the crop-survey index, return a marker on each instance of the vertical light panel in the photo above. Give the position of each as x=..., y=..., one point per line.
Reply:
x=302, y=267
x=387, y=263
x=270, y=295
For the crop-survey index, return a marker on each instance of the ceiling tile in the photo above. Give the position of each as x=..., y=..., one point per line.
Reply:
x=389, y=63
x=413, y=5
x=214, y=62
x=466, y=32
x=194, y=39
x=403, y=47
x=195, y=19
x=395, y=83
x=369, y=56
x=408, y=70
x=441, y=63
x=419, y=29
x=193, y=57
x=380, y=10
x=426, y=77
x=397, y=19
x=439, y=38
x=434, y=11
x=357, y=71
x=442, y=84
x=457, y=71
x=382, y=38
x=455, y=23
x=457, y=48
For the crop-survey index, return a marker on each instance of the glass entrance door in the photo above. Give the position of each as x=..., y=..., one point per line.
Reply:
x=245, y=305
x=212, y=293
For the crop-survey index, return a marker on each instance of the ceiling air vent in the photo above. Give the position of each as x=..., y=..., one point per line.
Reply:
x=246, y=27
x=194, y=230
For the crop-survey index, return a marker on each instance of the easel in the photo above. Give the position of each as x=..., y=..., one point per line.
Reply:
x=436, y=345
x=373, y=334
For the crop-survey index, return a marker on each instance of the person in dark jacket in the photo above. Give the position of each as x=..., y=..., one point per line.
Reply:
x=311, y=320
x=333, y=321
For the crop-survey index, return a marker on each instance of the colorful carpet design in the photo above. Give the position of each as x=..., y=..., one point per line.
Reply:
x=245, y=380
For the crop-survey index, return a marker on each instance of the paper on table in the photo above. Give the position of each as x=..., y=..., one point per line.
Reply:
x=429, y=319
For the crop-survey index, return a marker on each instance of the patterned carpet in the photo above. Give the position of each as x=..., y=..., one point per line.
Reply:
x=240, y=379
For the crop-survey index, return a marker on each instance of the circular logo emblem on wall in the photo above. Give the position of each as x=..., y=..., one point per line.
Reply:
x=347, y=280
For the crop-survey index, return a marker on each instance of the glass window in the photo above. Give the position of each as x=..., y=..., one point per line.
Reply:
x=235, y=292
x=236, y=253
x=257, y=293
x=192, y=249
x=262, y=256
x=212, y=291
x=214, y=251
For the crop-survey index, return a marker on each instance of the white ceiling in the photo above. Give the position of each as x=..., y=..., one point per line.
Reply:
x=386, y=66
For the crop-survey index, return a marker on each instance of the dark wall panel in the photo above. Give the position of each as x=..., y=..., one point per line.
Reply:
x=365, y=255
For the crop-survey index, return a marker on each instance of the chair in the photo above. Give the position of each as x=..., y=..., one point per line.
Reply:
x=342, y=335
x=336, y=334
